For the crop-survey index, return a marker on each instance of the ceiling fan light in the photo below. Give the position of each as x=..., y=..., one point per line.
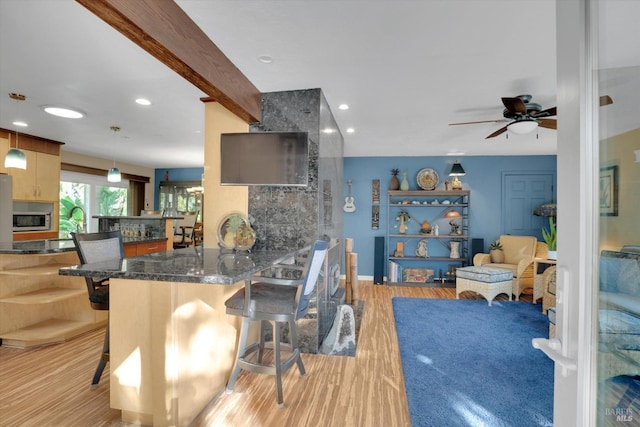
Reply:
x=15, y=158
x=114, y=175
x=522, y=127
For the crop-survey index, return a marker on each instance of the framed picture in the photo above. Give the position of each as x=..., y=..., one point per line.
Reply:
x=608, y=191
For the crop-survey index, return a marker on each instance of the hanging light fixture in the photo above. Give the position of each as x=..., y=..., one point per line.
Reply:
x=114, y=173
x=15, y=157
x=523, y=126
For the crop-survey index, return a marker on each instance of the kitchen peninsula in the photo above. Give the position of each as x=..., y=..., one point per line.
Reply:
x=173, y=345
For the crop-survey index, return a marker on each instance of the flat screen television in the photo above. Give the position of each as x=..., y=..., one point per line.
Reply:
x=264, y=158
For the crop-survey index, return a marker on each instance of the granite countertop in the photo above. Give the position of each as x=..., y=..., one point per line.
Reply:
x=152, y=217
x=58, y=245
x=188, y=265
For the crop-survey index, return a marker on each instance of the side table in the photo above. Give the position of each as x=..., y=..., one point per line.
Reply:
x=537, y=278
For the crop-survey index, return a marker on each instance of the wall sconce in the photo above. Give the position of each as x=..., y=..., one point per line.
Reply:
x=456, y=171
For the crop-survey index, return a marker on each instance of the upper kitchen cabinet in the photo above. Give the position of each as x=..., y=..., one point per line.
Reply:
x=41, y=180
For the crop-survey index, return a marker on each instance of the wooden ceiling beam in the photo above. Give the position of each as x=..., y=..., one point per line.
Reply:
x=165, y=31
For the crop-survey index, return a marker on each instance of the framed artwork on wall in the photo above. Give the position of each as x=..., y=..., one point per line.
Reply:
x=608, y=191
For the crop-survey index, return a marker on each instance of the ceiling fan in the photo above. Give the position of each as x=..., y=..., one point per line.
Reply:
x=525, y=116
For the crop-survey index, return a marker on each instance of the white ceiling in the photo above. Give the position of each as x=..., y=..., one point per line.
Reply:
x=406, y=68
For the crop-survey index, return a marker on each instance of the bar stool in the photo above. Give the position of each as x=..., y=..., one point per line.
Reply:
x=281, y=301
x=97, y=247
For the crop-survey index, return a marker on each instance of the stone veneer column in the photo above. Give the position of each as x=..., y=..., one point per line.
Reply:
x=290, y=217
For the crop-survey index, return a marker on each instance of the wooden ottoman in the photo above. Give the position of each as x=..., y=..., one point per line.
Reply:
x=486, y=281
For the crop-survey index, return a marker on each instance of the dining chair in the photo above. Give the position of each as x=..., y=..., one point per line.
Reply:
x=183, y=230
x=281, y=301
x=97, y=247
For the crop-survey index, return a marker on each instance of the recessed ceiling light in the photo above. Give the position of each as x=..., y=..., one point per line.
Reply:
x=350, y=130
x=265, y=59
x=21, y=124
x=63, y=112
x=143, y=101
x=328, y=130
x=343, y=107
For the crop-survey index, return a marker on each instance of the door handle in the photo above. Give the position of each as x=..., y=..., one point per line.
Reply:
x=552, y=348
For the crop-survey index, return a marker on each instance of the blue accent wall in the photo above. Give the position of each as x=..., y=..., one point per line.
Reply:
x=483, y=178
x=175, y=174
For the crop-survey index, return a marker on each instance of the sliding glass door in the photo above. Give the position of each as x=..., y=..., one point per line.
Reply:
x=597, y=347
x=617, y=329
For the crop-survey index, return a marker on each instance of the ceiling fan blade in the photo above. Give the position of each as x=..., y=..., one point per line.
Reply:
x=498, y=132
x=605, y=100
x=546, y=113
x=481, y=121
x=548, y=123
x=515, y=105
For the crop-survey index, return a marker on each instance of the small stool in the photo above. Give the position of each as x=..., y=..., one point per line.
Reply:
x=488, y=282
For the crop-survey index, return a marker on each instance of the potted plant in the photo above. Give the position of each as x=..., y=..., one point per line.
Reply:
x=495, y=252
x=550, y=238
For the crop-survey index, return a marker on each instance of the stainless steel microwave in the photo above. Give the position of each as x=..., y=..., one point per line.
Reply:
x=31, y=221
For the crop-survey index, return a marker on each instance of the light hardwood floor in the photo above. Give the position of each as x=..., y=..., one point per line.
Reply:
x=49, y=386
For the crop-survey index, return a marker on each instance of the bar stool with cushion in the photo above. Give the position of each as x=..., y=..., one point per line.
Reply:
x=281, y=301
x=98, y=247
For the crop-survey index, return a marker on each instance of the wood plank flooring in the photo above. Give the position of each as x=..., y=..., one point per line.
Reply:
x=50, y=386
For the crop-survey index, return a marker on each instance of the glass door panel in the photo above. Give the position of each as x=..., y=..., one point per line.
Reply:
x=617, y=331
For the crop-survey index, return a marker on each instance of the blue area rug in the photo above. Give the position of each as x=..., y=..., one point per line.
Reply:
x=468, y=364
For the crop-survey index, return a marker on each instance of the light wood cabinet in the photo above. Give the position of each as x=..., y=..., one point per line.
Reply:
x=40, y=181
x=37, y=306
x=4, y=148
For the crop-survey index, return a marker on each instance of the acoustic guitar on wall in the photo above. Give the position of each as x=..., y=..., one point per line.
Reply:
x=349, y=201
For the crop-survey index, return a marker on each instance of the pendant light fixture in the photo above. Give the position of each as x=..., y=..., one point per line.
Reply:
x=15, y=157
x=114, y=173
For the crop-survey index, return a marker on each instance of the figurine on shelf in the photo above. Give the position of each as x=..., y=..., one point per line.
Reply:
x=446, y=185
x=422, y=250
x=455, y=227
x=402, y=217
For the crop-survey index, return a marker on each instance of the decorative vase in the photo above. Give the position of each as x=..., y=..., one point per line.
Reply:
x=404, y=186
x=395, y=182
x=552, y=254
x=455, y=250
x=496, y=255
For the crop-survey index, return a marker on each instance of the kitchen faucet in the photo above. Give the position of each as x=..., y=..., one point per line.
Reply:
x=79, y=228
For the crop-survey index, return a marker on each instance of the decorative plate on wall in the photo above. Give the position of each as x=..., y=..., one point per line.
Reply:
x=427, y=179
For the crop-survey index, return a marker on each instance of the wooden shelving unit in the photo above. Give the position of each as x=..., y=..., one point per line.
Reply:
x=37, y=306
x=430, y=206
